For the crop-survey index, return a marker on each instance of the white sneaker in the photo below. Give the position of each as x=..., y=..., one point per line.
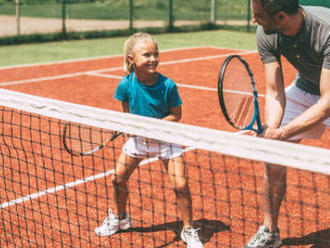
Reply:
x=265, y=239
x=112, y=224
x=191, y=238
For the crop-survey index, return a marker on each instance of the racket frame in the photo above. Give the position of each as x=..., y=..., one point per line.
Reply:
x=256, y=112
x=76, y=153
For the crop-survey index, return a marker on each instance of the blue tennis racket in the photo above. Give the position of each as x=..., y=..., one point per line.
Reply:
x=238, y=95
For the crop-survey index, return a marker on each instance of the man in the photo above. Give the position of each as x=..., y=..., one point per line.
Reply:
x=300, y=111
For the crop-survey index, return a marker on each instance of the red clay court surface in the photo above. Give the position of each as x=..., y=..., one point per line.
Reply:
x=93, y=82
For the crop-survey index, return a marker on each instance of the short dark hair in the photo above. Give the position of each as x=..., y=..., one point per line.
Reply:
x=273, y=6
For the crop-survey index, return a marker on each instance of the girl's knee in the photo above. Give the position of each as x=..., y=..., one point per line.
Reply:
x=117, y=180
x=181, y=186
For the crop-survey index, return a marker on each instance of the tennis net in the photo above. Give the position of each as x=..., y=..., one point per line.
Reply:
x=50, y=198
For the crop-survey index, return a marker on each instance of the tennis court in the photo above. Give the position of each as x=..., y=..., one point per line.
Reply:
x=93, y=82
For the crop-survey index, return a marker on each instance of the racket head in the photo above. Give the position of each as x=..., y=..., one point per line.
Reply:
x=80, y=140
x=237, y=94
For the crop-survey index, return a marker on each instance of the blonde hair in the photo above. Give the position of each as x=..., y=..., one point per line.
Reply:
x=129, y=46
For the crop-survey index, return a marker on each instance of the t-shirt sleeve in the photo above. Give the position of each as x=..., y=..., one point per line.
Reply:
x=174, y=98
x=121, y=93
x=326, y=53
x=267, y=46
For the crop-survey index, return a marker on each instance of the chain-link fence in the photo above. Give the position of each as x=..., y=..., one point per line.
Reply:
x=48, y=16
x=61, y=16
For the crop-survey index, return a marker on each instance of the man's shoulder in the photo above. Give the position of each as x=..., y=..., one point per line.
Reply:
x=318, y=13
x=263, y=38
x=318, y=23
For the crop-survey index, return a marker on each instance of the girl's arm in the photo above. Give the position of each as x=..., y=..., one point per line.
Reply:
x=125, y=107
x=175, y=114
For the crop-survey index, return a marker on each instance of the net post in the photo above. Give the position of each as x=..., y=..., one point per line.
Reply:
x=64, y=17
x=248, y=17
x=213, y=12
x=131, y=6
x=170, y=13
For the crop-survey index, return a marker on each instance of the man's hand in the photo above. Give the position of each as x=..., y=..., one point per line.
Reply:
x=273, y=133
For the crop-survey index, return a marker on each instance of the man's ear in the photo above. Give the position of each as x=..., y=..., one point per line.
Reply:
x=281, y=17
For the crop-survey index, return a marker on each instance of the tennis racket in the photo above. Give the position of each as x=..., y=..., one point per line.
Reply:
x=81, y=140
x=238, y=95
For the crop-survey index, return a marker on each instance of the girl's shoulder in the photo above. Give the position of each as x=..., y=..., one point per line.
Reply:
x=128, y=78
x=165, y=80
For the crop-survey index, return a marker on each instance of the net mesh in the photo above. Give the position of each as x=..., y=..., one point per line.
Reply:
x=50, y=198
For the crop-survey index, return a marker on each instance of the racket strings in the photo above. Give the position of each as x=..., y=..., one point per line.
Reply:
x=82, y=139
x=243, y=114
x=237, y=93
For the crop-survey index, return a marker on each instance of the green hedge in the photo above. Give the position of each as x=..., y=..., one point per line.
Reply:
x=119, y=9
x=325, y=3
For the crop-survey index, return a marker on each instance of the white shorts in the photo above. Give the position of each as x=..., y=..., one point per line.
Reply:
x=139, y=147
x=297, y=101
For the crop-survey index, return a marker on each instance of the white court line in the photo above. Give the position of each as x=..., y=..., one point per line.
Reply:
x=103, y=75
x=73, y=184
x=104, y=57
x=69, y=75
x=25, y=81
x=196, y=87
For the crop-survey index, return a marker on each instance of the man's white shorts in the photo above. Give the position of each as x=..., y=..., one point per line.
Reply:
x=139, y=147
x=297, y=101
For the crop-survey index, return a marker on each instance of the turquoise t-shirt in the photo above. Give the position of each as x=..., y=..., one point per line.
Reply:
x=152, y=101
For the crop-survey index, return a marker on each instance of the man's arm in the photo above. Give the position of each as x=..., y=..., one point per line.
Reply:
x=313, y=115
x=275, y=99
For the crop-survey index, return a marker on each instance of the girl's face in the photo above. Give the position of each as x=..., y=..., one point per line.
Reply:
x=145, y=57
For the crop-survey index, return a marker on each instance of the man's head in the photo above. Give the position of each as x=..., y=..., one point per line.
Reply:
x=272, y=15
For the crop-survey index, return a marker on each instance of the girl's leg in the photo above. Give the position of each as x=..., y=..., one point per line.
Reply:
x=124, y=168
x=177, y=176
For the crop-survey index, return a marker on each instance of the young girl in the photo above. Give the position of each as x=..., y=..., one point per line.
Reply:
x=146, y=92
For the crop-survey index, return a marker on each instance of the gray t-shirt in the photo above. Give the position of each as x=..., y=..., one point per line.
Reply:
x=308, y=52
